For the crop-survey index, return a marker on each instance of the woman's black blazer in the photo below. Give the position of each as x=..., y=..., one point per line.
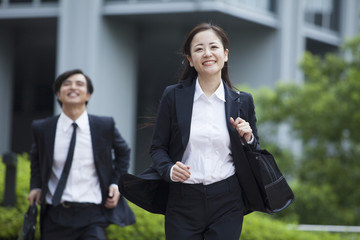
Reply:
x=149, y=190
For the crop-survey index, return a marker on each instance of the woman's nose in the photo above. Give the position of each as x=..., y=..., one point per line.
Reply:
x=207, y=52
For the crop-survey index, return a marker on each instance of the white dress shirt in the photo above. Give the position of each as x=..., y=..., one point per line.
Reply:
x=82, y=184
x=208, y=151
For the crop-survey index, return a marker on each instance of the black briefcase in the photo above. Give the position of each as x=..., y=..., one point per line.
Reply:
x=29, y=225
x=275, y=191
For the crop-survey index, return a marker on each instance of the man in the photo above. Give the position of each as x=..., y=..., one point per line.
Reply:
x=73, y=175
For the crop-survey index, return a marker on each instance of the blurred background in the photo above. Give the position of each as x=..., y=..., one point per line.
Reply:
x=130, y=49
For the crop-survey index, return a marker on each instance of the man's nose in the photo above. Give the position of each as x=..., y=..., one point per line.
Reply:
x=73, y=85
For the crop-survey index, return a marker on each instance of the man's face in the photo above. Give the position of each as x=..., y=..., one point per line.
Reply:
x=73, y=91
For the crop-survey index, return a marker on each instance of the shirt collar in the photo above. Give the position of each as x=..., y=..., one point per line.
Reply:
x=82, y=122
x=219, y=93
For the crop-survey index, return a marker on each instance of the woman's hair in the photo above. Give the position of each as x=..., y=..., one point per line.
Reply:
x=190, y=72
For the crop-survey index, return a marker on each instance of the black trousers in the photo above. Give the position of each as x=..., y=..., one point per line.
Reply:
x=210, y=212
x=74, y=222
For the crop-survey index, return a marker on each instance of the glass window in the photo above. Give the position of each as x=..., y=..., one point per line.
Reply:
x=323, y=13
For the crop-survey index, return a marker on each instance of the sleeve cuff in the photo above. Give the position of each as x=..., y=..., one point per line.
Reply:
x=114, y=185
x=171, y=171
x=251, y=140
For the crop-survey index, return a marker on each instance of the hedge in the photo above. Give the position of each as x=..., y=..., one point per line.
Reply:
x=257, y=226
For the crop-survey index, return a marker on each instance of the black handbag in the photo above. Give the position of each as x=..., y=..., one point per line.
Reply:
x=275, y=191
x=29, y=225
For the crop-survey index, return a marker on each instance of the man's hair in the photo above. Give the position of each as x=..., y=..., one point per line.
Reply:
x=65, y=75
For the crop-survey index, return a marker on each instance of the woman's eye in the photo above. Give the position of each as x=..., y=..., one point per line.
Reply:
x=198, y=49
x=214, y=47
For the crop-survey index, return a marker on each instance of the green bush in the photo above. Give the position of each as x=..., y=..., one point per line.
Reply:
x=11, y=218
x=257, y=226
x=148, y=226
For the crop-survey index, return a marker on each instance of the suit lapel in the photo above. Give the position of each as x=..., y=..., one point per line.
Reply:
x=184, y=99
x=232, y=106
x=50, y=131
x=95, y=140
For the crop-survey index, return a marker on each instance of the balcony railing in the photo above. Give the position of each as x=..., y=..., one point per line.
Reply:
x=258, y=11
x=256, y=5
x=28, y=8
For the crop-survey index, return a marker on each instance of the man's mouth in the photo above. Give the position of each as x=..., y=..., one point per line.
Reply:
x=72, y=94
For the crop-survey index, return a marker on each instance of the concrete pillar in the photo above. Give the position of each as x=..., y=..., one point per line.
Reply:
x=6, y=83
x=78, y=34
x=105, y=50
x=349, y=16
x=116, y=79
x=291, y=46
x=291, y=40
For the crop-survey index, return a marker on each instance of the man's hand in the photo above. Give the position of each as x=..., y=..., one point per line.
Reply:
x=113, y=197
x=34, y=195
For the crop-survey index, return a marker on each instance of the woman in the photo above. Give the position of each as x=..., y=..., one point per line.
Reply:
x=199, y=178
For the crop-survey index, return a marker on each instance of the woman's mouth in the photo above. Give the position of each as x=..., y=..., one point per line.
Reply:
x=208, y=63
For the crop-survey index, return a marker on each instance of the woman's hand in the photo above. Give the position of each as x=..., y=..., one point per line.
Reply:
x=180, y=172
x=242, y=127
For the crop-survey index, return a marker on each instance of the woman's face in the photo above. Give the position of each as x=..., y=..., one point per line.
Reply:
x=208, y=55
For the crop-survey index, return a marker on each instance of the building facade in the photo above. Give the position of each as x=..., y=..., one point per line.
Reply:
x=130, y=49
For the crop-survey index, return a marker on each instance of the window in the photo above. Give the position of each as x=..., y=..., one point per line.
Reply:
x=323, y=13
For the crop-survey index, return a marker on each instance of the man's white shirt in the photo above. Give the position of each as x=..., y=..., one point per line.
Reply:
x=83, y=183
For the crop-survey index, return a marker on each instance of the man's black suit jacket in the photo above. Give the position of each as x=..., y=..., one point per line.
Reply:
x=105, y=139
x=149, y=190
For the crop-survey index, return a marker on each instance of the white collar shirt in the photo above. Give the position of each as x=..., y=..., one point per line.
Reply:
x=82, y=184
x=208, y=151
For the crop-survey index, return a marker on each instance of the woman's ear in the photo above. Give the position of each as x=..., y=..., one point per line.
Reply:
x=190, y=61
x=226, y=55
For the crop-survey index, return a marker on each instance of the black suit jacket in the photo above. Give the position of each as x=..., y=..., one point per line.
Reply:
x=105, y=139
x=171, y=134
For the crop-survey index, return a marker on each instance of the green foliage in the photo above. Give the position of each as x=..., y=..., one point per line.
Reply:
x=318, y=200
x=148, y=226
x=323, y=113
x=11, y=218
x=258, y=226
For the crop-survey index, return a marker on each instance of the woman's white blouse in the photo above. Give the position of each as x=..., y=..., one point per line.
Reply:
x=208, y=151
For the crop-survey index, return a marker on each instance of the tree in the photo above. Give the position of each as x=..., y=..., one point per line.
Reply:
x=323, y=113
